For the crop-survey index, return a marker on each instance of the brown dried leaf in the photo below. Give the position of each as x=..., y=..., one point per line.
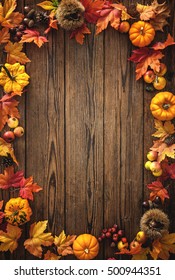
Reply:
x=162, y=12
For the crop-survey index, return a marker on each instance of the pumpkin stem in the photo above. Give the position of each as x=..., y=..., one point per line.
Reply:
x=141, y=30
x=86, y=250
x=166, y=106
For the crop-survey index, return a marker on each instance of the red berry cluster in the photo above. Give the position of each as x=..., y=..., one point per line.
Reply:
x=113, y=234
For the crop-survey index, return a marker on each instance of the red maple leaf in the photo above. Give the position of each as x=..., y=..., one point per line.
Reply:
x=27, y=188
x=157, y=190
x=33, y=36
x=78, y=34
x=145, y=57
x=92, y=8
x=10, y=179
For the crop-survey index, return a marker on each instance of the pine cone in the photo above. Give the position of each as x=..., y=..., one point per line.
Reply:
x=7, y=161
x=70, y=14
x=154, y=223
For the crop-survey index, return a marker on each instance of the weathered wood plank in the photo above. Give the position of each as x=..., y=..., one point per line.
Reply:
x=84, y=136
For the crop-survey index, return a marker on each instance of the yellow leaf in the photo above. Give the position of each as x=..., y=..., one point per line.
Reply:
x=15, y=54
x=47, y=5
x=9, y=238
x=51, y=256
x=4, y=35
x=38, y=238
x=167, y=152
x=146, y=12
x=6, y=149
x=156, y=249
x=164, y=246
x=163, y=129
x=64, y=243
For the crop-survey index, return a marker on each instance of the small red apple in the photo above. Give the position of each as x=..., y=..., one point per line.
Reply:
x=149, y=76
x=155, y=166
x=163, y=70
x=9, y=136
x=147, y=164
x=159, y=83
x=152, y=155
x=157, y=173
x=141, y=237
x=19, y=131
x=134, y=244
x=12, y=122
x=124, y=27
x=122, y=245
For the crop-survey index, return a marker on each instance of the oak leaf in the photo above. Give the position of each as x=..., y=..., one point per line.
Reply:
x=64, y=243
x=163, y=129
x=162, y=12
x=157, y=190
x=4, y=35
x=9, y=18
x=146, y=12
x=8, y=108
x=162, y=45
x=162, y=247
x=51, y=256
x=78, y=34
x=10, y=179
x=145, y=57
x=37, y=238
x=33, y=36
x=48, y=5
x=92, y=9
x=6, y=149
x=15, y=54
x=27, y=188
x=9, y=238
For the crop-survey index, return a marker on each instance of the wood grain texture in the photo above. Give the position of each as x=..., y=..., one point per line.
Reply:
x=88, y=129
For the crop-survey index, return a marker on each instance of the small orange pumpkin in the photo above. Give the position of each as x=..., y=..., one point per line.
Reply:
x=86, y=247
x=163, y=106
x=141, y=33
x=17, y=211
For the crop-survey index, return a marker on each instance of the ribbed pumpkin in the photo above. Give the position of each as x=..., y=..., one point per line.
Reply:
x=141, y=33
x=86, y=247
x=163, y=106
x=17, y=211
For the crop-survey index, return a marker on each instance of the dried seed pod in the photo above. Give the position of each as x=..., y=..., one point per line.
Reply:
x=70, y=14
x=154, y=223
x=31, y=23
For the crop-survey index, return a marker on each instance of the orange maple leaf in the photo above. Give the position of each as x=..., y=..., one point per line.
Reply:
x=33, y=36
x=145, y=57
x=53, y=23
x=9, y=18
x=1, y=213
x=15, y=54
x=157, y=190
x=164, y=129
x=10, y=179
x=64, y=243
x=4, y=35
x=9, y=238
x=163, y=150
x=37, y=238
x=6, y=150
x=162, y=45
x=78, y=34
x=27, y=188
x=8, y=108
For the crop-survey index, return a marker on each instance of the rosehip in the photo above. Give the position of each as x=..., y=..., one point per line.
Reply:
x=113, y=229
x=108, y=234
x=120, y=233
x=104, y=230
x=115, y=237
x=124, y=239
